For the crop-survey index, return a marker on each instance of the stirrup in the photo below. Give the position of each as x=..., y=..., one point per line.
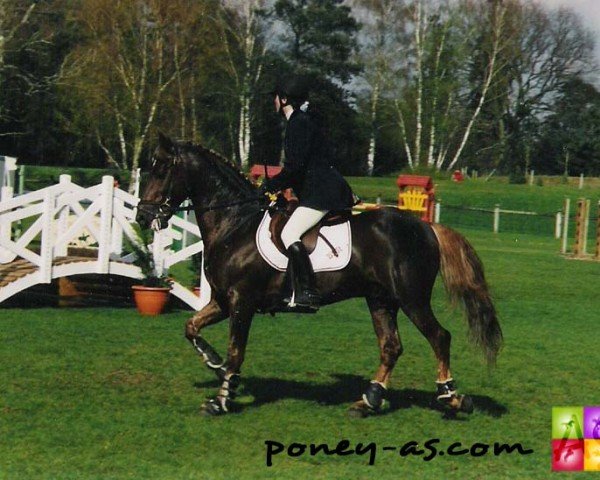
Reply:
x=308, y=299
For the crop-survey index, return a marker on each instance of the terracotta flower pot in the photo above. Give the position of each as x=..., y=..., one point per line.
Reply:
x=150, y=300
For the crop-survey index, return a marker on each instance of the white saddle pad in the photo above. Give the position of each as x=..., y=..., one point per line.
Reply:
x=322, y=258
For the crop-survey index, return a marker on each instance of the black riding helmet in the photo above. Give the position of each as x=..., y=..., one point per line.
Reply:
x=293, y=87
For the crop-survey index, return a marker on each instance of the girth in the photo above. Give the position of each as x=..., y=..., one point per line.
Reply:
x=280, y=217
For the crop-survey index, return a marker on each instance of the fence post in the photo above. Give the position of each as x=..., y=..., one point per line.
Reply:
x=565, y=233
x=46, y=248
x=117, y=230
x=6, y=193
x=558, y=225
x=581, y=181
x=205, y=290
x=437, y=212
x=63, y=217
x=531, y=177
x=496, y=218
x=106, y=219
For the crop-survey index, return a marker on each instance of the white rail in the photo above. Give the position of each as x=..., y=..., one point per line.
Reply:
x=100, y=217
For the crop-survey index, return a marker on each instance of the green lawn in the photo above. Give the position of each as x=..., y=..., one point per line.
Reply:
x=459, y=199
x=107, y=394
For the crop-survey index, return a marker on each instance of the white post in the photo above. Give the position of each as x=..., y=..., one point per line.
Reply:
x=158, y=253
x=531, y=177
x=558, y=225
x=581, y=181
x=184, y=233
x=106, y=220
x=46, y=249
x=6, y=193
x=565, y=233
x=496, y=218
x=117, y=231
x=63, y=218
x=437, y=212
x=205, y=290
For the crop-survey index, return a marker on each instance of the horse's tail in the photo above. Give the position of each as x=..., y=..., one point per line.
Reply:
x=462, y=272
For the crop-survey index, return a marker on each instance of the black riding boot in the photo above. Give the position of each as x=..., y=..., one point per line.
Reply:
x=301, y=277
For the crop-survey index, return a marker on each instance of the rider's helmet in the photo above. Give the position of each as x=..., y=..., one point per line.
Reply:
x=293, y=87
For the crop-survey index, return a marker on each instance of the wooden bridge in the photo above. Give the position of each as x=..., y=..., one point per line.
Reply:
x=39, y=229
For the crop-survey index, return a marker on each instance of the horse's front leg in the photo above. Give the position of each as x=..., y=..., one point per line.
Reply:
x=209, y=315
x=240, y=319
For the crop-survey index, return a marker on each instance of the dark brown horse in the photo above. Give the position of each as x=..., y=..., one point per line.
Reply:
x=395, y=260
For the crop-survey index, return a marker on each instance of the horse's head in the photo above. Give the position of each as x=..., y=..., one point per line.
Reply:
x=165, y=188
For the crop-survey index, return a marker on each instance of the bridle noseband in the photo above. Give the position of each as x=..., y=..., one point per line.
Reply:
x=164, y=208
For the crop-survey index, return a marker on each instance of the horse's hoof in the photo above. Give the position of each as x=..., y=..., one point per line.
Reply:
x=212, y=408
x=466, y=404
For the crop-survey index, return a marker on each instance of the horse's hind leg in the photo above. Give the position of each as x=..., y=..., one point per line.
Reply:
x=209, y=315
x=439, y=338
x=383, y=314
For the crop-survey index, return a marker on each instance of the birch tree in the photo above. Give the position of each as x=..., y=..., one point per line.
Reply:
x=382, y=23
x=246, y=47
x=439, y=100
x=135, y=52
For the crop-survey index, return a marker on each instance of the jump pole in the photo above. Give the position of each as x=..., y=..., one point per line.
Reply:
x=581, y=223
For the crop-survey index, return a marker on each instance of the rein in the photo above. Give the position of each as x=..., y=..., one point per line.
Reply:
x=219, y=206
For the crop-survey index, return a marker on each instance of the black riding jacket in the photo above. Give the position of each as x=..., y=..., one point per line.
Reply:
x=307, y=168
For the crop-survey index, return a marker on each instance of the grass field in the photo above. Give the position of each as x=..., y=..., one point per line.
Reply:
x=107, y=394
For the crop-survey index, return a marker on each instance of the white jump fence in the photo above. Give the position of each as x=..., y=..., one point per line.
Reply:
x=67, y=214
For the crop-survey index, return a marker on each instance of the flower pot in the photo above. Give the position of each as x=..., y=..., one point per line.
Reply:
x=150, y=300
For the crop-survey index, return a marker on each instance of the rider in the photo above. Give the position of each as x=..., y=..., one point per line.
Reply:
x=319, y=187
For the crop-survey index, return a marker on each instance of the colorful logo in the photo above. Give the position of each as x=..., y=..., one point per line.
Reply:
x=575, y=439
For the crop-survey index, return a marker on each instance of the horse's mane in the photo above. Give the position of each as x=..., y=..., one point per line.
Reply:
x=229, y=171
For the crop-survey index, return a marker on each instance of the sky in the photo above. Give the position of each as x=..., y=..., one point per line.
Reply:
x=589, y=10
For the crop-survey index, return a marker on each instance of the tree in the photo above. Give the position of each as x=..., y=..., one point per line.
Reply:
x=436, y=96
x=573, y=129
x=134, y=53
x=553, y=46
x=382, y=22
x=244, y=35
x=318, y=39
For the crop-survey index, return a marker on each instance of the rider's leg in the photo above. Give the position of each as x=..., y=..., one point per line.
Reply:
x=300, y=270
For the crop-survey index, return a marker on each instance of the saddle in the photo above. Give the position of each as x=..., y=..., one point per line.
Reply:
x=280, y=215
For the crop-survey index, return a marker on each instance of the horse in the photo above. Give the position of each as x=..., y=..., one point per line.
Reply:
x=394, y=262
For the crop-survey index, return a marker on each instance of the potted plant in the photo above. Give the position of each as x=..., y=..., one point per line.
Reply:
x=152, y=295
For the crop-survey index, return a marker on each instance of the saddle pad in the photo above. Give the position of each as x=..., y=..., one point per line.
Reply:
x=322, y=258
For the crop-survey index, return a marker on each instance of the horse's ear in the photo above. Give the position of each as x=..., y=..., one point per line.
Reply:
x=165, y=143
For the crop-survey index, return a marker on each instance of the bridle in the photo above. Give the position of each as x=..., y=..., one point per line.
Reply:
x=164, y=208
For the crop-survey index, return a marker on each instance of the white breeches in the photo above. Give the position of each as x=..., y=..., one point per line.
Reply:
x=301, y=220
